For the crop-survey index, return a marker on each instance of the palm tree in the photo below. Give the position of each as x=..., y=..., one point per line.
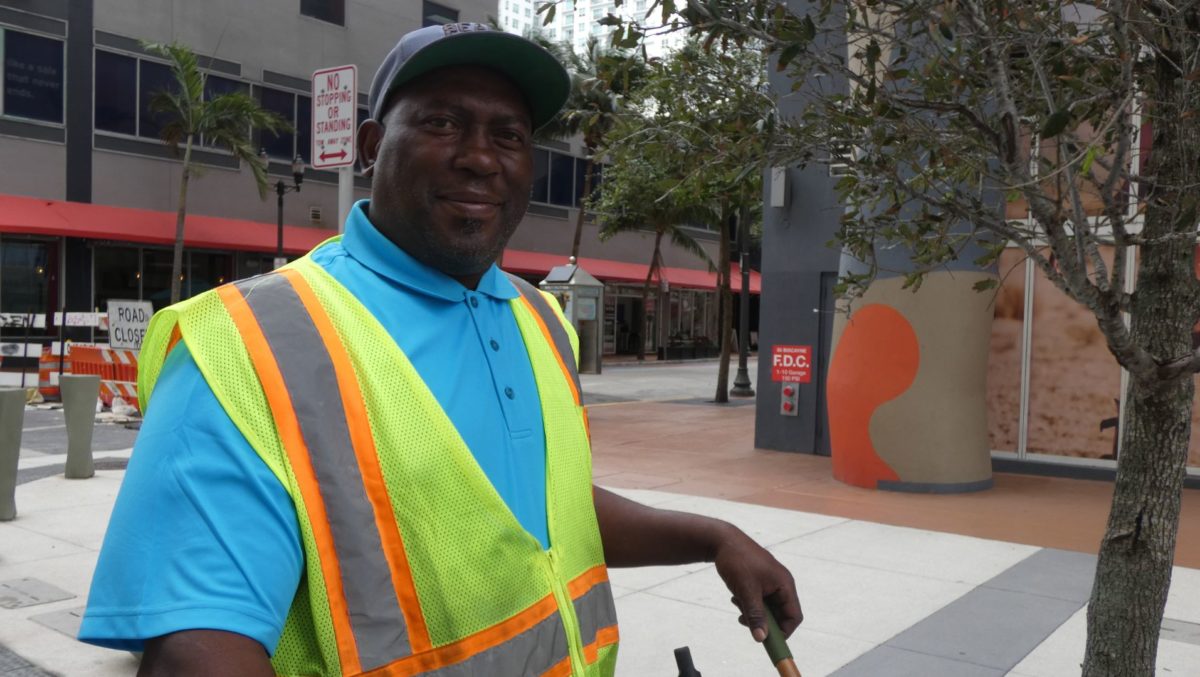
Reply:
x=601, y=81
x=225, y=120
x=641, y=194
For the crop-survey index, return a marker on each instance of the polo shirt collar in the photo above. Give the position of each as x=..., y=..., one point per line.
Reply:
x=365, y=244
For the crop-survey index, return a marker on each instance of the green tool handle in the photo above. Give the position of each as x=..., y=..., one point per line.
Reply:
x=777, y=648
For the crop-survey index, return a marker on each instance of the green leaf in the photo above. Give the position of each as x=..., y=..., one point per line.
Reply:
x=1056, y=123
x=944, y=29
x=1089, y=159
x=986, y=284
x=549, y=14
x=785, y=57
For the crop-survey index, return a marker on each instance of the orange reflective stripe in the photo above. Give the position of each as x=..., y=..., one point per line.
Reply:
x=292, y=441
x=550, y=340
x=467, y=647
x=587, y=580
x=176, y=336
x=604, y=637
x=562, y=669
x=363, y=442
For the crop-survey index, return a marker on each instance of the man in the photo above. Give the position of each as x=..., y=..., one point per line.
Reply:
x=375, y=460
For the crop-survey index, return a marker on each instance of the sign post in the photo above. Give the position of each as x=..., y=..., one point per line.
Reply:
x=335, y=127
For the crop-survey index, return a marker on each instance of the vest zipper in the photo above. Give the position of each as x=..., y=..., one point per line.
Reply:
x=566, y=607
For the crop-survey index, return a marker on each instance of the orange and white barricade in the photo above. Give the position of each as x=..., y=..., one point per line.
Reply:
x=50, y=365
x=117, y=369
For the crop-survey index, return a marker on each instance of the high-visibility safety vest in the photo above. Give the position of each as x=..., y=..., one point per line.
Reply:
x=414, y=564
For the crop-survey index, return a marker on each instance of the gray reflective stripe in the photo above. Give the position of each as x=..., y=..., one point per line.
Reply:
x=308, y=373
x=595, y=609
x=562, y=342
x=532, y=653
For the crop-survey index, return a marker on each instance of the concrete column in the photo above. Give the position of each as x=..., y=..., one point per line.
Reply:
x=12, y=415
x=79, y=393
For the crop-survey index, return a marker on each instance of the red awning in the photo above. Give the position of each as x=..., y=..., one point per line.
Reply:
x=539, y=263
x=36, y=216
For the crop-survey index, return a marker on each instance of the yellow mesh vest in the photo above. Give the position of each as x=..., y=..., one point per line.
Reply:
x=474, y=570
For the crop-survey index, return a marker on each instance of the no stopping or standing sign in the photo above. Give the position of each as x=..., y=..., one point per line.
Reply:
x=334, y=116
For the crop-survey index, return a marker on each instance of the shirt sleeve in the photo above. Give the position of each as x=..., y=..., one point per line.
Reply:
x=202, y=535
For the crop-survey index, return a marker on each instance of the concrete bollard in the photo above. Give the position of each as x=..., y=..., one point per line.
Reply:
x=79, y=393
x=12, y=416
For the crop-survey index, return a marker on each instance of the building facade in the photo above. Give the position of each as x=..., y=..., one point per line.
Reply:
x=88, y=192
x=576, y=21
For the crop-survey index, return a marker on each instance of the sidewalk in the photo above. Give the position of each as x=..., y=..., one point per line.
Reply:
x=892, y=584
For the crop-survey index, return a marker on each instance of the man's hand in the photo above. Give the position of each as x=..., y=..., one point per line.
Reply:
x=637, y=535
x=755, y=577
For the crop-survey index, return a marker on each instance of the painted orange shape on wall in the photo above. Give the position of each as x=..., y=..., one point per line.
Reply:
x=875, y=361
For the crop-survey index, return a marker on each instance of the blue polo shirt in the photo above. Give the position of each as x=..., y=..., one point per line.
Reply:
x=203, y=536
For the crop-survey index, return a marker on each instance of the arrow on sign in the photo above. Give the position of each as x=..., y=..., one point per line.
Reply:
x=339, y=155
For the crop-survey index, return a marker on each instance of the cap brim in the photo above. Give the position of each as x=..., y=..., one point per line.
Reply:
x=539, y=76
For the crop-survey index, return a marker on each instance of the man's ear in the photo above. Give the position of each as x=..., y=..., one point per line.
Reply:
x=370, y=136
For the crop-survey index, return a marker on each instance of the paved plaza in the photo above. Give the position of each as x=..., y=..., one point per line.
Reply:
x=893, y=585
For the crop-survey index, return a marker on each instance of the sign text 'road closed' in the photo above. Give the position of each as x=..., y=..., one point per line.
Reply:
x=791, y=364
x=334, y=116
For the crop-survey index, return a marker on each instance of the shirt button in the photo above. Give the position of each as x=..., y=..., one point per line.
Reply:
x=508, y=392
x=474, y=302
x=495, y=346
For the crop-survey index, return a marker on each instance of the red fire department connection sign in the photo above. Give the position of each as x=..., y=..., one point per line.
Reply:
x=791, y=364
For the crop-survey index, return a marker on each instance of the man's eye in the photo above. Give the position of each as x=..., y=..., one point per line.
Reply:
x=440, y=122
x=509, y=135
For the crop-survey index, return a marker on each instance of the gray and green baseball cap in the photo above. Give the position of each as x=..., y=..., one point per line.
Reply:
x=539, y=76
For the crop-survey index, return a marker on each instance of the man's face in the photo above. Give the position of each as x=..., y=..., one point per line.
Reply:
x=452, y=166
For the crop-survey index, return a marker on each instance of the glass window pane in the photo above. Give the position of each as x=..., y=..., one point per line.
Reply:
x=116, y=93
x=1004, y=358
x=304, y=127
x=156, y=277
x=541, y=175
x=206, y=271
x=155, y=78
x=215, y=86
x=562, y=179
x=117, y=275
x=282, y=104
x=433, y=14
x=23, y=277
x=1074, y=381
x=580, y=175
x=333, y=11
x=33, y=77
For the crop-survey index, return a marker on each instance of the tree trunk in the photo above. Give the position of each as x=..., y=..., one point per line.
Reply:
x=642, y=321
x=587, y=193
x=180, y=218
x=726, y=314
x=1134, y=569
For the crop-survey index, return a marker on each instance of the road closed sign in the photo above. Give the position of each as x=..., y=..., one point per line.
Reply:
x=334, y=117
x=127, y=323
x=791, y=364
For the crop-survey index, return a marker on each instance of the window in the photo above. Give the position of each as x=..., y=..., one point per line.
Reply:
x=125, y=86
x=296, y=109
x=541, y=175
x=153, y=78
x=215, y=86
x=33, y=76
x=433, y=14
x=562, y=179
x=116, y=93
x=333, y=11
x=558, y=178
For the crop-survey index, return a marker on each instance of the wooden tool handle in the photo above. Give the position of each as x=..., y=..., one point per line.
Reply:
x=777, y=648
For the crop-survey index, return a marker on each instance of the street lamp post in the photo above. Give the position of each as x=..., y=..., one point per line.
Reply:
x=741, y=382
x=282, y=189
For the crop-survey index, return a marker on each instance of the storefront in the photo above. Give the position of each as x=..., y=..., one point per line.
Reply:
x=1055, y=393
